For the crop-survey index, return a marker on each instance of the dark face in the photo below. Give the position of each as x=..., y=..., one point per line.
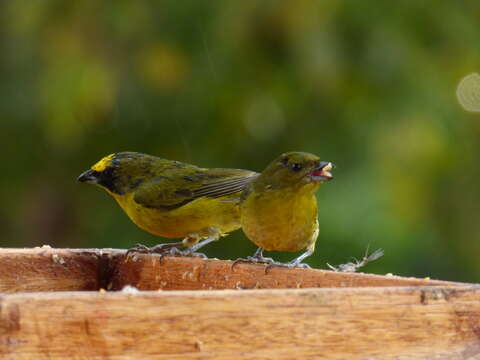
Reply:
x=297, y=168
x=119, y=173
x=106, y=178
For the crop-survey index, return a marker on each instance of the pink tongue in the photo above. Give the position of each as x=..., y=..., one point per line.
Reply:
x=317, y=173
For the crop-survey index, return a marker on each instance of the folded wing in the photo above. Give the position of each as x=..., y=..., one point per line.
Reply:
x=175, y=190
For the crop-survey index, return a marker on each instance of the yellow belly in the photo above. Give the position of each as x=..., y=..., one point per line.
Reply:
x=199, y=217
x=281, y=222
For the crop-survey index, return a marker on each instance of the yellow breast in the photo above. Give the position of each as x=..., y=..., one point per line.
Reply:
x=197, y=217
x=281, y=221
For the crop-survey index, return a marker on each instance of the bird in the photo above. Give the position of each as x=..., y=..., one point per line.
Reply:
x=279, y=209
x=172, y=199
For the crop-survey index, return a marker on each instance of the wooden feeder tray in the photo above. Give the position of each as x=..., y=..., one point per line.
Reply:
x=69, y=304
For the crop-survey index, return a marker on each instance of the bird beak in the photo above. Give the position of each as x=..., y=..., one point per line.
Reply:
x=322, y=172
x=89, y=177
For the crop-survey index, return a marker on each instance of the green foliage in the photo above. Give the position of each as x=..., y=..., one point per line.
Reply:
x=369, y=86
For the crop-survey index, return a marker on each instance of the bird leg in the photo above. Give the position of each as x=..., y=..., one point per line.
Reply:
x=191, y=251
x=297, y=262
x=202, y=243
x=191, y=242
x=256, y=258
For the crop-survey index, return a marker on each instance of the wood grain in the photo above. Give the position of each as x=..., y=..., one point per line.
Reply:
x=47, y=269
x=346, y=323
x=150, y=272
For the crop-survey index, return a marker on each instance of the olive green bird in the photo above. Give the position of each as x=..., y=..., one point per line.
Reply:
x=172, y=199
x=279, y=207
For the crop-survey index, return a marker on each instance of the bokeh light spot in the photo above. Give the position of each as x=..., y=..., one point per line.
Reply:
x=468, y=92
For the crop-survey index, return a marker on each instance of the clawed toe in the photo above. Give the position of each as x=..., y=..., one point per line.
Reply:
x=187, y=253
x=290, y=265
x=240, y=260
x=254, y=260
x=303, y=266
x=164, y=250
x=138, y=248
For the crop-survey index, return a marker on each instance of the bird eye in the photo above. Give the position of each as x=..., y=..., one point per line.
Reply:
x=296, y=166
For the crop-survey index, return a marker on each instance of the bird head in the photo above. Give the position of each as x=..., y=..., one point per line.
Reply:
x=119, y=173
x=297, y=168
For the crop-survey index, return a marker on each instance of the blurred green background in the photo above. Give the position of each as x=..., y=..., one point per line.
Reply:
x=367, y=85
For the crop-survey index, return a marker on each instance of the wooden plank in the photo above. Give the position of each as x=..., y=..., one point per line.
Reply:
x=150, y=272
x=47, y=269
x=346, y=323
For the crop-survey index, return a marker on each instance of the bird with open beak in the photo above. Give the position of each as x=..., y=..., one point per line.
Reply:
x=279, y=208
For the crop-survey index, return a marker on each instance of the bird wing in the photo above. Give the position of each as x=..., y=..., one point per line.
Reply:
x=174, y=191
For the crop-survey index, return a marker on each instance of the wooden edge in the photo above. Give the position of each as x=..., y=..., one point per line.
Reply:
x=48, y=269
x=355, y=323
x=151, y=272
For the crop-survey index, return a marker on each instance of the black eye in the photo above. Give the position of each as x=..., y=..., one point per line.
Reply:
x=296, y=166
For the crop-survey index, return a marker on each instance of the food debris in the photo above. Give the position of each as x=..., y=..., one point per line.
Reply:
x=102, y=290
x=57, y=259
x=129, y=289
x=354, y=266
x=195, y=274
x=198, y=345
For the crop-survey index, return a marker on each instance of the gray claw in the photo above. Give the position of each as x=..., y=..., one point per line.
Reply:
x=139, y=248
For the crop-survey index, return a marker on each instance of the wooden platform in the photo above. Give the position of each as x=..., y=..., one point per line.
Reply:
x=52, y=307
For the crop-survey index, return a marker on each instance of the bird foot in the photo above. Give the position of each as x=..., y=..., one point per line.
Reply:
x=290, y=265
x=138, y=248
x=253, y=260
x=162, y=249
x=186, y=253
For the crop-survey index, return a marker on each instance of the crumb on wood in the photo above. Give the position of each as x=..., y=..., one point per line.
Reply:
x=239, y=286
x=185, y=275
x=195, y=274
x=130, y=289
x=58, y=259
x=199, y=345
